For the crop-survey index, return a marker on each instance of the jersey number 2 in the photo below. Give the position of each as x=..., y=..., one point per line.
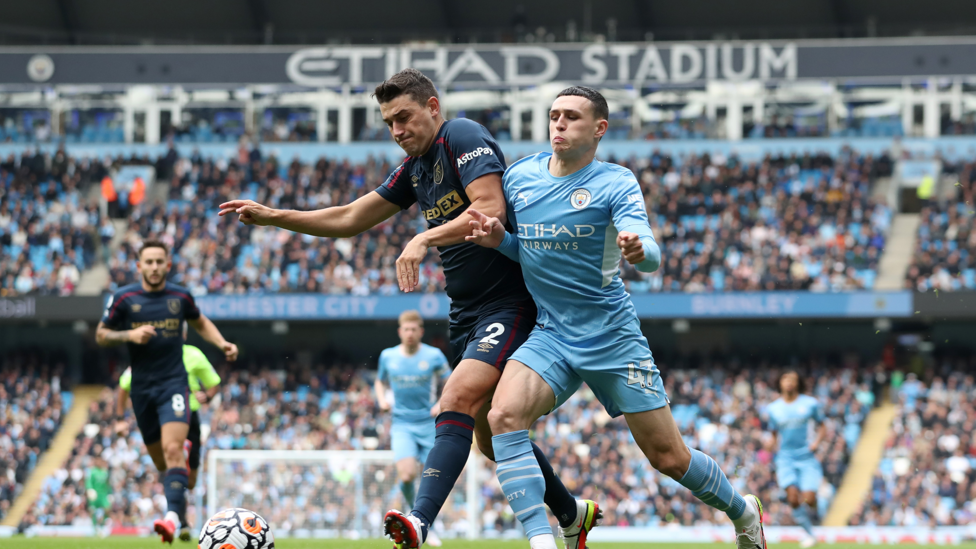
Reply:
x=178, y=403
x=494, y=330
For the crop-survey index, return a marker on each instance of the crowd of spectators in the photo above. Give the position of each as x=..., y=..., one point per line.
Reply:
x=47, y=223
x=31, y=406
x=721, y=410
x=220, y=255
x=945, y=251
x=800, y=223
x=797, y=223
x=927, y=475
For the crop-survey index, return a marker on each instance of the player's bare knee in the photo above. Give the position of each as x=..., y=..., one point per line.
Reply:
x=174, y=455
x=504, y=419
x=811, y=499
x=793, y=498
x=670, y=463
x=459, y=402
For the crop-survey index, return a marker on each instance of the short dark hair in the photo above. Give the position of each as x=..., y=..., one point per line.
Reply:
x=600, y=109
x=801, y=382
x=408, y=81
x=153, y=244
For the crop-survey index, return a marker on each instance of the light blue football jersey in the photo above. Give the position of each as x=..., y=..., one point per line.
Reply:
x=413, y=379
x=567, y=232
x=792, y=421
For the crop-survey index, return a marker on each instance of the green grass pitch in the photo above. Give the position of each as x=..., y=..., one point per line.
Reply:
x=139, y=543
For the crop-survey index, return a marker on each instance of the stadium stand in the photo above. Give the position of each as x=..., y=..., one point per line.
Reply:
x=333, y=408
x=800, y=223
x=927, y=476
x=31, y=405
x=786, y=223
x=47, y=223
x=945, y=254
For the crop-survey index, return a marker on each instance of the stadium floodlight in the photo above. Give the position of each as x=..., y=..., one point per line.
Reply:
x=329, y=493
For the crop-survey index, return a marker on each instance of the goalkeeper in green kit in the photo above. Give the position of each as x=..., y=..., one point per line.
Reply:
x=97, y=491
x=203, y=381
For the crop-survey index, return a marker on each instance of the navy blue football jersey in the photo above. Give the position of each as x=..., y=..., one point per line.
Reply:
x=478, y=279
x=161, y=359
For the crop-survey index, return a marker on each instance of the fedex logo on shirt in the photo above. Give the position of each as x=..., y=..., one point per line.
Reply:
x=464, y=158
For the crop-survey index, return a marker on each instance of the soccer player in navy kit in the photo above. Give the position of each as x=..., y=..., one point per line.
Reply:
x=452, y=166
x=148, y=317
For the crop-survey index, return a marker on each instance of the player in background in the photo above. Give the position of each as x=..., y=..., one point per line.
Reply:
x=797, y=468
x=453, y=166
x=414, y=371
x=204, y=381
x=575, y=218
x=148, y=316
x=97, y=491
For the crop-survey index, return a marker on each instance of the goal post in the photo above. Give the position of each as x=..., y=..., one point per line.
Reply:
x=330, y=493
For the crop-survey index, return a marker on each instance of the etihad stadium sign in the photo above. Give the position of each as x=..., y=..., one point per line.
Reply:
x=527, y=65
x=497, y=65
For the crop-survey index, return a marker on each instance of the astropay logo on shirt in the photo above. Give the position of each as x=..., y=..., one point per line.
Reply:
x=463, y=159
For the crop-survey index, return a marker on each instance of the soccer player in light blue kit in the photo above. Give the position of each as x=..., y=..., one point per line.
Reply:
x=576, y=217
x=797, y=468
x=413, y=370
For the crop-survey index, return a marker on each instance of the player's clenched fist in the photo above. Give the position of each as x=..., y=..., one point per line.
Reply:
x=485, y=231
x=230, y=351
x=249, y=212
x=631, y=246
x=142, y=334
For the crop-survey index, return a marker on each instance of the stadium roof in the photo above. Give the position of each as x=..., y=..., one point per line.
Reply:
x=317, y=22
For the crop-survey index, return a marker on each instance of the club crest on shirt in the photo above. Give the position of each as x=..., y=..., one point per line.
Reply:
x=580, y=198
x=136, y=307
x=173, y=305
x=438, y=172
x=423, y=365
x=415, y=179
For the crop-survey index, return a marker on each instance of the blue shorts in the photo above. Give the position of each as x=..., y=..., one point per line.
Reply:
x=493, y=336
x=412, y=439
x=804, y=473
x=157, y=405
x=617, y=366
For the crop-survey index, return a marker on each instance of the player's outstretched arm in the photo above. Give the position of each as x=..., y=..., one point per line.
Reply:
x=335, y=222
x=209, y=332
x=107, y=337
x=485, y=194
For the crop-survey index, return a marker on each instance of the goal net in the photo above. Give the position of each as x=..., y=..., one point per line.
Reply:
x=329, y=494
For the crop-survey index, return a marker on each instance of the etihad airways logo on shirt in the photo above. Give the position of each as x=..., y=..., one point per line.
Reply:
x=464, y=158
x=535, y=236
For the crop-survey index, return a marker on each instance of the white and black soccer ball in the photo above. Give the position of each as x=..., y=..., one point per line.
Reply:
x=236, y=529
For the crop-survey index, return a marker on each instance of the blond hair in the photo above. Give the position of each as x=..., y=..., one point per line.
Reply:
x=411, y=316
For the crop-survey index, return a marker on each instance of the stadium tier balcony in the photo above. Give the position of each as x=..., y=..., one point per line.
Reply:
x=31, y=406
x=927, y=475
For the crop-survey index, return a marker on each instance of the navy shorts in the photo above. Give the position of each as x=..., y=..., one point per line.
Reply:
x=493, y=336
x=158, y=405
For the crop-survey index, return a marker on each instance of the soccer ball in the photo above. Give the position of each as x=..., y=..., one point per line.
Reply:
x=236, y=529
